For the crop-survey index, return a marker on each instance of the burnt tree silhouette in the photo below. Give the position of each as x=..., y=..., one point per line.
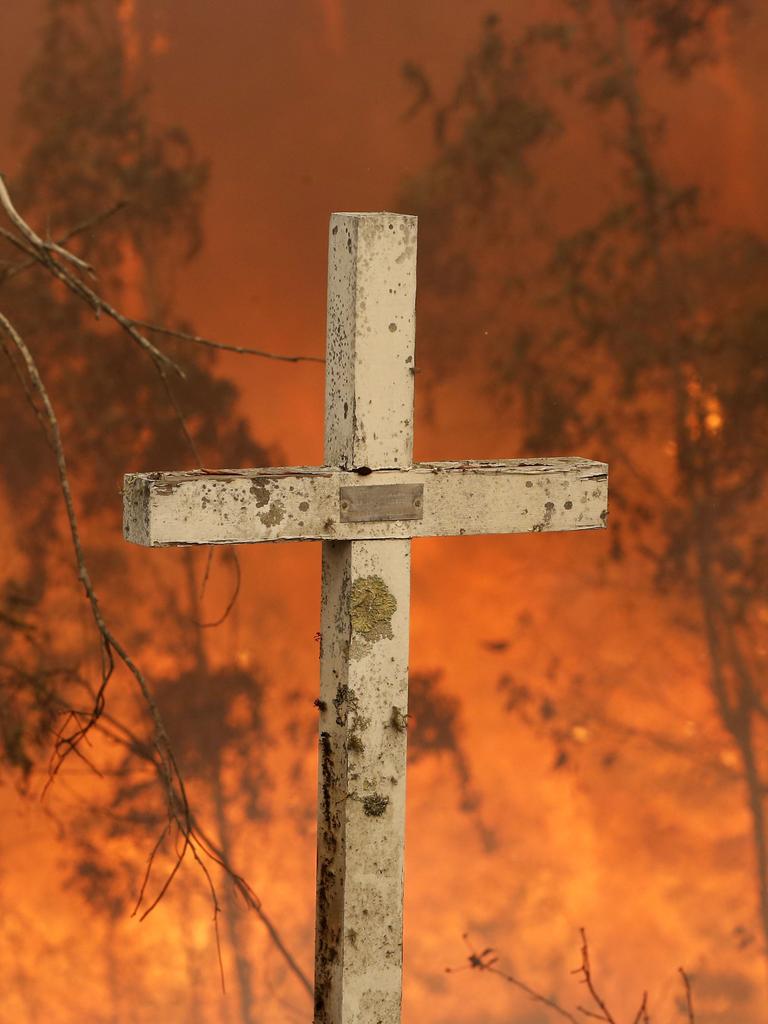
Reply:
x=91, y=150
x=641, y=325
x=216, y=724
x=125, y=196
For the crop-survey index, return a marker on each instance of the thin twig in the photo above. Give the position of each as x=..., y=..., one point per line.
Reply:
x=253, y=902
x=33, y=238
x=150, y=860
x=120, y=733
x=79, y=229
x=24, y=387
x=196, y=454
x=180, y=416
x=54, y=437
x=235, y=591
x=178, y=809
x=486, y=961
x=688, y=994
x=207, y=573
x=216, y=911
x=191, y=837
x=641, y=1017
x=586, y=973
x=240, y=349
x=44, y=254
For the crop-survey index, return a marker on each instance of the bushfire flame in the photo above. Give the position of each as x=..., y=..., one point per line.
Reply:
x=528, y=816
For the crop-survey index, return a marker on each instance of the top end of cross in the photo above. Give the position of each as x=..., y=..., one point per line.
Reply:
x=370, y=340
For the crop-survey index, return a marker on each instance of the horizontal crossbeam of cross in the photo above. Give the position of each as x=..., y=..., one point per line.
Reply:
x=432, y=499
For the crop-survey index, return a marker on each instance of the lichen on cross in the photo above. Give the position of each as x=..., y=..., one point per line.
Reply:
x=365, y=504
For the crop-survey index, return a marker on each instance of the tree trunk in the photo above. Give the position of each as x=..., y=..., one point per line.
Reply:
x=757, y=809
x=232, y=913
x=696, y=474
x=231, y=918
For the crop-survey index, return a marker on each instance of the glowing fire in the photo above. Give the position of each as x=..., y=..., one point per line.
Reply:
x=505, y=840
x=706, y=411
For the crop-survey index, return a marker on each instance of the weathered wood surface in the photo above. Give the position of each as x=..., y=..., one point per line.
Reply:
x=246, y=507
x=365, y=611
x=361, y=777
x=370, y=340
x=365, y=584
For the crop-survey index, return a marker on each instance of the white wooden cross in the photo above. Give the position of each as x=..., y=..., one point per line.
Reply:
x=365, y=504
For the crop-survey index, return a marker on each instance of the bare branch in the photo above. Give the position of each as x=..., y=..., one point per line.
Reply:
x=120, y=733
x=39, y=251
x=37, y=243
x=486, y=961
x=641, y=1017
x=79, y=229
x=44, y=252
x=235, y=590
x=688, y=994
x=49, y=420
x=586, y=974
x=240, y=349
x=180, y=416
x=253, y=902
x=77, y=723
x=68, y=742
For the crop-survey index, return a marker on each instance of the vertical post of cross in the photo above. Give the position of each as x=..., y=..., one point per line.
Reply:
x=364, y=628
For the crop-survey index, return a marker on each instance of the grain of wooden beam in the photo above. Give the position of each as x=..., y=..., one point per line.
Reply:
x=248, y=507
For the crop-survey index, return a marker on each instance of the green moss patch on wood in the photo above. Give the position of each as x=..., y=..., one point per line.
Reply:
x=371, y=608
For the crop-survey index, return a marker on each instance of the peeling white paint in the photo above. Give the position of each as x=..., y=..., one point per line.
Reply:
x=361, y=781
x=518, y=496
x=365, y=585
x=371, y=333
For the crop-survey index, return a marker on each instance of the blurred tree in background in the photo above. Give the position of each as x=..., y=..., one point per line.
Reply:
x=617, y=316
x=91, y=151
x=133, y=195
